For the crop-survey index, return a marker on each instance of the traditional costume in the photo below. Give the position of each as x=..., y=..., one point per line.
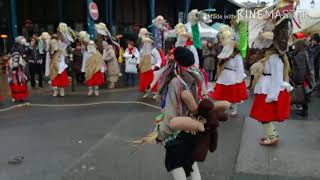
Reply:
x=58, y=69
x=94, y=68
x=184, y=39
x=161, y=28
x=105, y=42
x=186, y=138
x=230, y=85
x=150, y=61
x=102, y=34
x=16, y=78
x=271, y=74
x=113, y=69
x=44, y=49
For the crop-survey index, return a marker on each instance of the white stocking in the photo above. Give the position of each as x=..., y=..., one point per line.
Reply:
x=179, y=174
x=269, y=130
x=195, y=175
x=234, y=108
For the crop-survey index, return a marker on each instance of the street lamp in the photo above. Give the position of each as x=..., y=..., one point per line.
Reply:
x=312, y=3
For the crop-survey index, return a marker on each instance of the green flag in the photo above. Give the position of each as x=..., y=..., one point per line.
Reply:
x=196, y=36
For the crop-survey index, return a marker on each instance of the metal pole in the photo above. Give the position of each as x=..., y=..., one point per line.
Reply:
x=90, y=22
x=60, y=10
x=13, y=14
x=109, y=4
x=152, y=12
x=186, y=9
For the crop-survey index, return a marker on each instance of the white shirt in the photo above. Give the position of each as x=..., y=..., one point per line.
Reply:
x=131, y=63
x=233, y=72
x=272, y=84
x=62, y=64
x=195, y=55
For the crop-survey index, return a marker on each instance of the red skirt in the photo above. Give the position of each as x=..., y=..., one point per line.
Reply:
x=269, y=112
x=61, y=80
x=19, y=92
x=232, y=93
x=146, y=79
x=96, y=80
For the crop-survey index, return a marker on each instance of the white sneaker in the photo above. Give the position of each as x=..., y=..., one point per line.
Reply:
x=111, y=86
x=90, y=93
x=155, y=96
x=96, y=92
x=55, y=92
x=62, y=92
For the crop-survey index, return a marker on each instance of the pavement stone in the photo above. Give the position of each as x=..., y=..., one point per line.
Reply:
x=295, y=157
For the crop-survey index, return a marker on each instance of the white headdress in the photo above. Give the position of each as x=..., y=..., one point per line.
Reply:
x=65, y=33
x=91, y=47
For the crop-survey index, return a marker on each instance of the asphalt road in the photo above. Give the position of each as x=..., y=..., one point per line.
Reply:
x=91, y=142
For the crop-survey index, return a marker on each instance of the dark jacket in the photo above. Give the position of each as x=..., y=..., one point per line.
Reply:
x=207, y=140
x=300, y=67
x=34, y=56
x=210, y=58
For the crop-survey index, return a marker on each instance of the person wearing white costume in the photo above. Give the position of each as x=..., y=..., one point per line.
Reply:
x=58, y=68
x=230, y=85
x=184, y=39
x=94, y=67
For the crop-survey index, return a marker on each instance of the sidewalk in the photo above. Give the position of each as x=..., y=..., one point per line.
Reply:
x=296, y=157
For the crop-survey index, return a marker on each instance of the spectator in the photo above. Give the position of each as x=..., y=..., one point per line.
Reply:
x=300, y=72
x=315, y=49
x=210, y=59
x=35, y=63
x=77, y=63
x=131, y=56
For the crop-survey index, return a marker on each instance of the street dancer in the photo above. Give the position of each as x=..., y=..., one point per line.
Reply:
x=93, y=67
x=271, y=74
x=58, y=69
x=150, y=61
x=113, y=69
x=16, y=78
x=184, y=39
x=230, y=84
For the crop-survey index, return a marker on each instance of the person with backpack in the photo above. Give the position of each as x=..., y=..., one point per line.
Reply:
x=300, y=75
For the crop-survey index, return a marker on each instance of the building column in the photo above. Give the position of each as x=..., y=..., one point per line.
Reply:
x=60, y=10
x=152, y=4
x=109, y=8
x=224, y=14
x=13, y=18
x=90, y=22
x=211, y=3
x=186, y=9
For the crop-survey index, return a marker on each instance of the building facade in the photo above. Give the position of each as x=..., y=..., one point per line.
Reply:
x=35, y=16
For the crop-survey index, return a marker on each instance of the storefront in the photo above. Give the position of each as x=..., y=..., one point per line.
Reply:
x=35, y=16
